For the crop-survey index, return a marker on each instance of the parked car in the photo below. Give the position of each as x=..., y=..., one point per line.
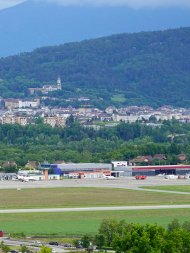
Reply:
x=141, y=177
x=79, y=247
x=54, y=243
x=67, y=245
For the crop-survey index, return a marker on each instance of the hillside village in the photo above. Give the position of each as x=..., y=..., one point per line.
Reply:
x=26, y=111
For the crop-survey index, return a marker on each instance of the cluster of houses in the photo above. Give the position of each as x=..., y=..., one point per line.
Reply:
x=147, y=113
x=25, y=111
x=151, y=159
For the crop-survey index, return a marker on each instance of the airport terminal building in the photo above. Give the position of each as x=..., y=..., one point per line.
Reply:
x=97, y=170
x=91, y=170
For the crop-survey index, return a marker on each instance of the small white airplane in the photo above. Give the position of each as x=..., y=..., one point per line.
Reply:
x=23, y=178
x=109, y=177
x=171, y=177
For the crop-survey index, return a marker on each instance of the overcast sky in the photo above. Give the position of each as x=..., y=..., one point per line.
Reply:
x=131, y=3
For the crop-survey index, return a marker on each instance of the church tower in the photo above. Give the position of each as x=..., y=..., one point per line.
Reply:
x=59, y=83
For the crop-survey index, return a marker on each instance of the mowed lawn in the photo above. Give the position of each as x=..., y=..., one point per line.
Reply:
x=178, y=188
x=84, y=197
x=78, y=223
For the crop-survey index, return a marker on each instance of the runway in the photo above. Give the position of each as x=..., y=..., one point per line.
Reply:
x=91, y=209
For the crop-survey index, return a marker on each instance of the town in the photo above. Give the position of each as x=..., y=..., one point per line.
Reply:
x=26, y=111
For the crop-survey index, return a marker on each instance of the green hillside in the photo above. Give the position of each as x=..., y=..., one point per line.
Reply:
x=150, y=68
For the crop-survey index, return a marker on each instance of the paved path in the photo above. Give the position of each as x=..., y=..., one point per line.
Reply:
x=89, y=209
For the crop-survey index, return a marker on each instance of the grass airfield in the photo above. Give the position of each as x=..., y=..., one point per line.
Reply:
x=76, y=193
x=84, y=197
x=76, y=224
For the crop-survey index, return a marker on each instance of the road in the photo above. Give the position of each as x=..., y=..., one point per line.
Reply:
x=31, y=244
x=89, y=209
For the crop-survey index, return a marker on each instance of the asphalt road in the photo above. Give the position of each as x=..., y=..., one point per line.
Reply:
x=89, y=209
x=31, y=244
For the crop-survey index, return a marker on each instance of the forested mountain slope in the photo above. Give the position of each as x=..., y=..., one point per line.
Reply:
x=146, y=68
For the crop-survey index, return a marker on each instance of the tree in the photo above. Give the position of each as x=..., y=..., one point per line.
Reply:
x=86, y=241
x=108, y=229
x=24, y=249
x=136, y=238
x=10, y=169
x=69, y=121
x=174, y=225
x=140, y=239
x=186, y=226
x=5, y=248
x=45, y=249
x=39, y=121
x=99, y=241
x=152, y=119
x=11, y=136
x=177, y=241
x=77, y=243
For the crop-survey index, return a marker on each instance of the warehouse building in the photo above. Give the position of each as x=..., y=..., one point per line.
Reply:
x=160, y=169
x=127, y=170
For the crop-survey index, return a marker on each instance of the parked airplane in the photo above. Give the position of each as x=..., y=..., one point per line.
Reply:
x=25, y=178
x=109, y=177
x=171, y=176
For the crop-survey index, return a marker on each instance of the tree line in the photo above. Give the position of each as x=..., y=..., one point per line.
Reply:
x=76, y=143
x=122, y=237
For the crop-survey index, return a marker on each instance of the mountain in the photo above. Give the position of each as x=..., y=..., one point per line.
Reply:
x=147, y=68
x=34, y=24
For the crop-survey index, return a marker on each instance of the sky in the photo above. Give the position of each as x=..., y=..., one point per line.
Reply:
x=9, y=3
x=131, y=3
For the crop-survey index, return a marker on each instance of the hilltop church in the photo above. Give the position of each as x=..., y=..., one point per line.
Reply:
x=47, y=88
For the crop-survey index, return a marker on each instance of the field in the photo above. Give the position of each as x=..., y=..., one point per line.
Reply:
x=119, y=98
x=177, y=188
x=77, y=223
x=84, y=197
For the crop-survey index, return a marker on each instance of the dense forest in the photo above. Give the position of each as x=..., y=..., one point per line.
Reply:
x=151, y=68
x=74, y=143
